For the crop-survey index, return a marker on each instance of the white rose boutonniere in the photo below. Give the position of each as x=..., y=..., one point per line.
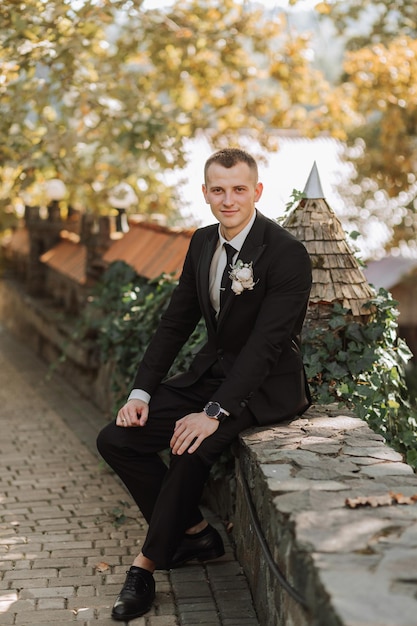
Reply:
x=242, y=277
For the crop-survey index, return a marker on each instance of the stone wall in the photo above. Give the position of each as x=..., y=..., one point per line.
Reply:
x=42, y=328
x=351, y=566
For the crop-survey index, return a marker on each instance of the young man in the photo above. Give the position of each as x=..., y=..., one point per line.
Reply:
x=251, y=280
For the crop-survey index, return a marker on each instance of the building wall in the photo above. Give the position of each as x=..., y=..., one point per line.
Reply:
x=406, y=295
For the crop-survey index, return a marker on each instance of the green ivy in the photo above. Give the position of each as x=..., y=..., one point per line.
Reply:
x=361, y=366
x=123, y=313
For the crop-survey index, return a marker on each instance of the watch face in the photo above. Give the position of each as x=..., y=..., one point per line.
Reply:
x=212, y=409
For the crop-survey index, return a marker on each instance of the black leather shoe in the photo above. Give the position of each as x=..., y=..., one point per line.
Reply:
x=203, y=548
x=136, y=596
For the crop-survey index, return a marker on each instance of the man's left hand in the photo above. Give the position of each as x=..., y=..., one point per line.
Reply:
x=192, y=429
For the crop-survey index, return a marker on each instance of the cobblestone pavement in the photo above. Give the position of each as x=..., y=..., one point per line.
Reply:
x=68, y=528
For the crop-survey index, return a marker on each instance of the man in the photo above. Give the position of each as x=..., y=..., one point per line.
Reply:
x=253, y=297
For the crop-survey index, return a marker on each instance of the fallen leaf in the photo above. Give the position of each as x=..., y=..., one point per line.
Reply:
x=399, y=498
x=102, y=567
x=385, y=499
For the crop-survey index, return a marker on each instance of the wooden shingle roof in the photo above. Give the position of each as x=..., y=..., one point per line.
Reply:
x=337, y=276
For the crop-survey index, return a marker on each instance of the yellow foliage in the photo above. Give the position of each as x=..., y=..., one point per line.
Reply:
x=64, y=26
x=49, y=114
x=382, y=80
x=324, y=8
x=384, y=73
x=188, y=99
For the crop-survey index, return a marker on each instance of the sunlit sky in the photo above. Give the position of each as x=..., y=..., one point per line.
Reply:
x=281, y=172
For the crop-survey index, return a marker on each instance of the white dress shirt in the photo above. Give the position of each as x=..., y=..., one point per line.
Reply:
x=218, y=262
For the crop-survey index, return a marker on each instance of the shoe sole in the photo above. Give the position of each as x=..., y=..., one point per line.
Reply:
x=126, y=618
x=201, y=558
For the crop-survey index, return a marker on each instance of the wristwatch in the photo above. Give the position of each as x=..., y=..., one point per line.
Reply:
x=215, y=411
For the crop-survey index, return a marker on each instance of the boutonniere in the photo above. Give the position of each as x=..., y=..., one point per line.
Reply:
x=242, y=277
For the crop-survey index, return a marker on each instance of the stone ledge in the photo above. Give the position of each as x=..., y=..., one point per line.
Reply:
x=353, y=566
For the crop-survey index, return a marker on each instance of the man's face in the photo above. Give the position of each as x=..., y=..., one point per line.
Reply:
x=231, y=194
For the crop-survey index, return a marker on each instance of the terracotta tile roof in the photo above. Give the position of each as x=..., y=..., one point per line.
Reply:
x=151, y=249
x=68, y=257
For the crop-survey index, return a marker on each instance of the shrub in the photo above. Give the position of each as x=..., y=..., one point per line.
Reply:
x=362, y=366
x=123, y=313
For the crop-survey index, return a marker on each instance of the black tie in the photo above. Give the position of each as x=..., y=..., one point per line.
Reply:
x=226, y=282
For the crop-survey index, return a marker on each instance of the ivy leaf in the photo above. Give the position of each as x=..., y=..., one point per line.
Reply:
x=343, y=389
x=337, y=370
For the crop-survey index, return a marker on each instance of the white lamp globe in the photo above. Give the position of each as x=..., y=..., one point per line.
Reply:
x=55, y=189
x=122, y=196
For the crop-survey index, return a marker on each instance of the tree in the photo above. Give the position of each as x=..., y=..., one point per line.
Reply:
x=367, y=21
x=378, y=81
x=99, y=91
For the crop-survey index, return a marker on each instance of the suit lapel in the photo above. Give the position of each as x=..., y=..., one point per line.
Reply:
x=250, y=252
x=203, y=271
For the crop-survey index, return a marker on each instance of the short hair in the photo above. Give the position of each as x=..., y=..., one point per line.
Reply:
x=229, y=157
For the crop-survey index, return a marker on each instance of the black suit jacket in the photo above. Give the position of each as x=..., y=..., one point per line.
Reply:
x=256, y=338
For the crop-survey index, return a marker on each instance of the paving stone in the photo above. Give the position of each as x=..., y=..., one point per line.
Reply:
x=160, y=620
x=240, y=621
x=197, y=607
x=192, y=590
x=51, y=616
x=207, y=618
x=58, y=516
x=52, y=603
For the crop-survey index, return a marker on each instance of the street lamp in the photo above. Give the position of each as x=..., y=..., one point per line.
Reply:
x=55, y=190
x=30, y=210
x=122, y=197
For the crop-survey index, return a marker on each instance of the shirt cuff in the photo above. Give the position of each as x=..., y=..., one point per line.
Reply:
x=139, y=394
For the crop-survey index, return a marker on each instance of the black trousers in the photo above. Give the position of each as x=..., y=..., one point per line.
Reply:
x=168, y=496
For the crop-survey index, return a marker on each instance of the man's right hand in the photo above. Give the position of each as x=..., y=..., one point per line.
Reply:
x=133, y=413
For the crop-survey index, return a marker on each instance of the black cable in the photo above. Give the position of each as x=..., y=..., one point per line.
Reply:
x=265, y=548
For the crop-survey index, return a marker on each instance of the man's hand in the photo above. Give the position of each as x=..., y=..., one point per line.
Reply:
x=192, y=429
x=133, y=413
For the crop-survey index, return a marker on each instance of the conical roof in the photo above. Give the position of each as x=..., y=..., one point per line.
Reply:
x=313, y=188
x=337, y=276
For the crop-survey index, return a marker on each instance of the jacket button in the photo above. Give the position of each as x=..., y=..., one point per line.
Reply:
x=220, y=352
x=243, y=404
